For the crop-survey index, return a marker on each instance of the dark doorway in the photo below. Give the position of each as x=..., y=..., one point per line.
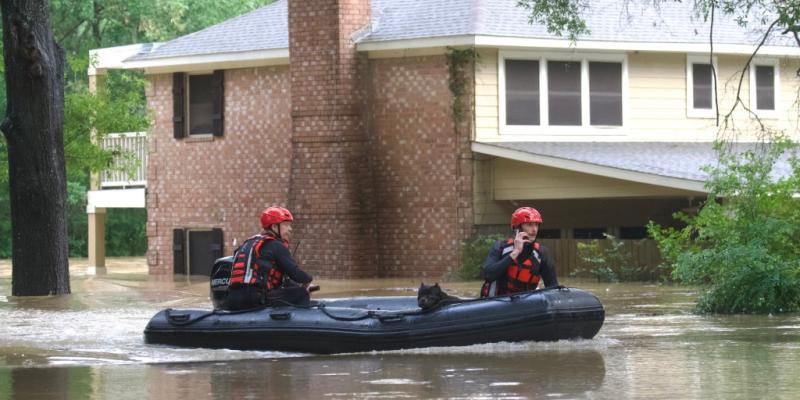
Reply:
x=204, y=248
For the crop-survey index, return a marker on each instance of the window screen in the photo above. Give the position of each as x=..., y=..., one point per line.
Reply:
x=564, y=92
x=702, y=89
x=605, y=93
x=522, y=92
x=765, y=87
x=200, y=104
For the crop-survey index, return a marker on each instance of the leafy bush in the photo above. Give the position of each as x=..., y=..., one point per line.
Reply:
x=610, y=261
x=473, y=254
x=744, y=250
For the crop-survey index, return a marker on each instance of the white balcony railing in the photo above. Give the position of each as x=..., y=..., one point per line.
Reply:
x=132, y=147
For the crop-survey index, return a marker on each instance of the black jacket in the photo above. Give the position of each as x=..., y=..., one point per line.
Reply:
x=494, y=268
x=275, y=253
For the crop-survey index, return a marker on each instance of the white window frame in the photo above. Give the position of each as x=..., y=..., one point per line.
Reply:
x=544, y=126
x=768, y=62
x=187, y=107
x=692, y=112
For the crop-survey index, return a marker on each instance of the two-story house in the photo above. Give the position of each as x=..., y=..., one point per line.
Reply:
x=342, y=111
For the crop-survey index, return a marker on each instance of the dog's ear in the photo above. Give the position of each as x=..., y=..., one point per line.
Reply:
x=421, y=285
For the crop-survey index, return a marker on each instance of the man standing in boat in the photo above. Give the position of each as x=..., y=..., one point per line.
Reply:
x=519, y=263
x=262, y=262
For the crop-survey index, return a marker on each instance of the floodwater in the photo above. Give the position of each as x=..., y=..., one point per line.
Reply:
x=89, y=345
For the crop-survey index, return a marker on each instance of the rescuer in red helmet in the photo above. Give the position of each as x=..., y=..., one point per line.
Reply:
x=518, y=264
x=261, y=263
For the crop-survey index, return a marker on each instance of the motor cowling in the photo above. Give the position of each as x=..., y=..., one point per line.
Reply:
x=220, y=278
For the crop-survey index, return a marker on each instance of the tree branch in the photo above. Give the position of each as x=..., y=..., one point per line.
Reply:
x=711, y=63
x=745, y=69
x=70, y=31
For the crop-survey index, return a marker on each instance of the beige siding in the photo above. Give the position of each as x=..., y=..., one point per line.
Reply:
x=519, y=180
x=656, y=104
x=486, y=209
x=487, y=109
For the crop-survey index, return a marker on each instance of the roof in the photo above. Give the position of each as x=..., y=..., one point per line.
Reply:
x=678, y=164
x=609, y=20
x=263, y=29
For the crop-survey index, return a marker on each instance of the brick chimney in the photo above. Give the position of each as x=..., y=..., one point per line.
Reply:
x=331, y=190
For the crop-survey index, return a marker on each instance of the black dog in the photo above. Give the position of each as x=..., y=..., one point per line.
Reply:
x=430, y=296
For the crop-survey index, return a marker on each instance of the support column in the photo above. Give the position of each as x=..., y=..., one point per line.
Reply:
x=97, y=216
x=97, y=240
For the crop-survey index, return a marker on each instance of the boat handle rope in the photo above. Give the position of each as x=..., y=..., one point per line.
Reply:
x=184, y=318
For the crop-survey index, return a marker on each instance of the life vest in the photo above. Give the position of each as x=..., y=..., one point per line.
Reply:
x=521, y=275
x=249, y=269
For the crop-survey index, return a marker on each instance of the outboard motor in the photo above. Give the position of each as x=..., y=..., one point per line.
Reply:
x=220, y=275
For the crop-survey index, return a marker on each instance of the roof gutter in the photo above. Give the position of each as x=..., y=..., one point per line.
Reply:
x=211, y=61
x=534, y=43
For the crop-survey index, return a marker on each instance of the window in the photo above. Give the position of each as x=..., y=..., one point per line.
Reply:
x=546, y=90
x=589, y=233
x=549, y=234
x=605, y=93
x=632, y=232
x=700, y=87
x=198, y=104
x=764, y=87
x=564, y=92
x=522, y=92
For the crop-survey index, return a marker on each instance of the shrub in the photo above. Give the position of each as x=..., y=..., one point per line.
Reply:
x=744, y=250
x=473, y=254
x=610, y=261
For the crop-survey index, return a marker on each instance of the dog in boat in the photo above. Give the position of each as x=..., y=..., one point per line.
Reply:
x=432, y=296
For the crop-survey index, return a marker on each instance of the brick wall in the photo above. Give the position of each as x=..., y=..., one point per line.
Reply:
x=422, y=167
x=224, y=182
x=364, y=152
x=331, y=186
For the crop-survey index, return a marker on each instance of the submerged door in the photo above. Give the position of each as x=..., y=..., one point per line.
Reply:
x=204, y=248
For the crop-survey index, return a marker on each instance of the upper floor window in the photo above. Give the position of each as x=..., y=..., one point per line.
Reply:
x=198, y=104
x=764, y=87
x=700, y=87
x=561, y=91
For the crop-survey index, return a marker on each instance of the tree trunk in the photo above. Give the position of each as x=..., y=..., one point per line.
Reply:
x=33, y=128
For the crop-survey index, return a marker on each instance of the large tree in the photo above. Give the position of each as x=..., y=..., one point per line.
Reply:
x=33, y=128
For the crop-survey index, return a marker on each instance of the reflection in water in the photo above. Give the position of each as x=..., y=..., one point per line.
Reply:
x=89, y=345
x=432, y=375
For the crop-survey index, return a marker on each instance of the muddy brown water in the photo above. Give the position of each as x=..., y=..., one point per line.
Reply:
x=89, y=345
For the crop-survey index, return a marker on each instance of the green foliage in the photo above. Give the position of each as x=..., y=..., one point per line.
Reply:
x=77, y=221
x=564, y=16
x=611, y=260
x=473, y=254
x=746, y=249
x=126, y=232
x=81, y=25
x=457, y=61
x=558, y=15
x=5, y=222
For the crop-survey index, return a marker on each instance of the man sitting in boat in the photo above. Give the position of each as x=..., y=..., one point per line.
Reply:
x=261, y=263
x=518, y=264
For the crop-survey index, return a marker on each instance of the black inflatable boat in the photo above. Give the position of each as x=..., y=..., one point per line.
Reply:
x=384, y=323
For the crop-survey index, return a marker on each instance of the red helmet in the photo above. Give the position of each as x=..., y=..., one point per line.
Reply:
x=525, y=214
x=275, y=215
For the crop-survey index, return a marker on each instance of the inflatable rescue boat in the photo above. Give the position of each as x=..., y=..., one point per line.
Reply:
x=384, y=323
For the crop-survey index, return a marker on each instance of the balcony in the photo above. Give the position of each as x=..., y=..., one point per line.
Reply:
x=131, y=156
x=123, y=186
